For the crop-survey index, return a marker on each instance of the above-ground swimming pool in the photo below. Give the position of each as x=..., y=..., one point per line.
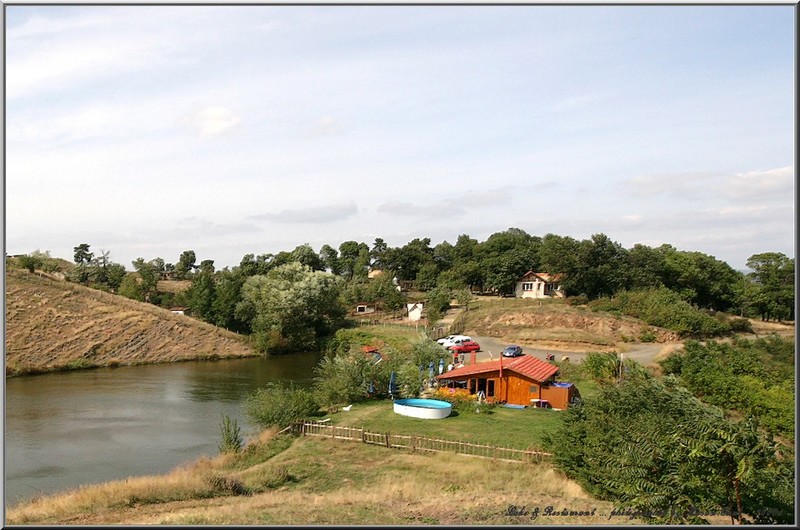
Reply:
x=427, y=409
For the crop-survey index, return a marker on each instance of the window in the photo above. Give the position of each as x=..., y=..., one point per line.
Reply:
x=472, y=389
x=534, y=389
x=527, y=286
x=490, y=388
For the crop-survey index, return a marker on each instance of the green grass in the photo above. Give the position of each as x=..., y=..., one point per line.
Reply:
x=505, y=427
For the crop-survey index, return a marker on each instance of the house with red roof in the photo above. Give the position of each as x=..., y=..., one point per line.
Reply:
x=523, y=380
x=539, y=285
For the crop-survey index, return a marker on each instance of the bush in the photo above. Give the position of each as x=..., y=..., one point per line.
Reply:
x=647, y=335
x=280, y=405
x=231, y=436
x=663, y=308
x=342, y=379
x=580, y=299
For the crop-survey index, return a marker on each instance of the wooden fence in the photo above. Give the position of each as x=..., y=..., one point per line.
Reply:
x=418, y=443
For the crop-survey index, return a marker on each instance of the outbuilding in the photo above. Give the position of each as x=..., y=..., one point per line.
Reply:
x=523, y=380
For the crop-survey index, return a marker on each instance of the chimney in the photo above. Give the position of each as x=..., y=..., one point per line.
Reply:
x=473, y=356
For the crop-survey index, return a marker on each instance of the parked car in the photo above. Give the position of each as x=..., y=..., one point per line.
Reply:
x=452, y=340
x=512, y=351
x=465, y=347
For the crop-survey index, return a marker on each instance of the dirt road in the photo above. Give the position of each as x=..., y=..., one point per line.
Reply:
x=643, y=353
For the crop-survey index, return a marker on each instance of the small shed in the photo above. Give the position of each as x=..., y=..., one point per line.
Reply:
x=364, y=308
x=523, y=380
x=414, y=311
x=180, y=310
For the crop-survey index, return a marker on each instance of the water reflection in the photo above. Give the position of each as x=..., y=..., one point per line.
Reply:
x=73, y=428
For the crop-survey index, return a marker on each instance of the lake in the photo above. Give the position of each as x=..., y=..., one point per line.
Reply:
x=71, y=428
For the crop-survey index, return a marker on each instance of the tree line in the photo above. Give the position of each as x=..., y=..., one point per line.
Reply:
x=591, y=269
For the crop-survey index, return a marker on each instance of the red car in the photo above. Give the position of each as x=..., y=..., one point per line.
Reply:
x=465, y=347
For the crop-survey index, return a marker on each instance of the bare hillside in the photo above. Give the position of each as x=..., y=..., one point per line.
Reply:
x=52, y=325
x=555, y=325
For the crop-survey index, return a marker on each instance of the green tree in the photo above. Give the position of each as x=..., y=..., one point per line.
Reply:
x=342, y=379
x=382, y=291
x=227, y=293
x=702, y=280
x=30, y=262
x=506, y=256
x=407, y=260
x=202, y=297
x=773, y=272
x=351, y=259
x=82, y=255
x=129, y=287
x=305, y=255
x=291, y=307
x=148, y=275
x=186, y=264
x=377, y=253
x=436, y=303
x=427, y=276
x=330, y=257
x=601, y=268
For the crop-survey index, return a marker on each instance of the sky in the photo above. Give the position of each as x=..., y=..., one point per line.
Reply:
x=149, y=130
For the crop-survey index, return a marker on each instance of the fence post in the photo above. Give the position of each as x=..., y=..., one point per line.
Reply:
x=387, y=441
x=363, y=436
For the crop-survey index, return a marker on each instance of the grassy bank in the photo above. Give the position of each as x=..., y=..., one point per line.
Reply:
x=56, y=325
x=284, y=480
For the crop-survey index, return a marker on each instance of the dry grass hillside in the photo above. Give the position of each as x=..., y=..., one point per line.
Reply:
x=54, y=325
x=281, y=481
x=556, y=325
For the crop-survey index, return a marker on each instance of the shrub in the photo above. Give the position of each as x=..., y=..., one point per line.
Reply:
x=647, y=335
x=231, y=436
x=341, y=379
x=580, y=299
x=663, y=308
x=280, y=405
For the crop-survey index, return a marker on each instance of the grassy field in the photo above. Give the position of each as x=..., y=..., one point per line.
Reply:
x=515, y=428
x=283, y=480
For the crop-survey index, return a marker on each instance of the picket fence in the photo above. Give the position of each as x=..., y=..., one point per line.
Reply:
x=419, y=443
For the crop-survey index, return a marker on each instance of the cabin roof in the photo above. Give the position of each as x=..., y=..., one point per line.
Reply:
x=525, y=365
x=545, y=277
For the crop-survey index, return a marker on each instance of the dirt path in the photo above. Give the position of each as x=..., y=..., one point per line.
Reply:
x=643, y=353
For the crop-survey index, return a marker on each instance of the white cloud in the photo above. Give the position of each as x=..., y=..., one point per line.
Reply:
x=327, y=125
x=776, y=182
x=316, y=214
x=214, y=120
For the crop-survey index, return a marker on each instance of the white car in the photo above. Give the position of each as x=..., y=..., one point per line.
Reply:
x=452, y=340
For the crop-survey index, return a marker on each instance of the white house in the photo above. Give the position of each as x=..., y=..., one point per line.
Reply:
x=539, y=285
x=414, y=311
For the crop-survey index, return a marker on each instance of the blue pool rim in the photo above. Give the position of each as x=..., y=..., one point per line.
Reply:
x=424, y=403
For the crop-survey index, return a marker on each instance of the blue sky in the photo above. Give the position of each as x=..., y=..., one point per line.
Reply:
x=148, y=130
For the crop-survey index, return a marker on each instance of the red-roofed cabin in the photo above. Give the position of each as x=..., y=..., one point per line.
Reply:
x=523, y=380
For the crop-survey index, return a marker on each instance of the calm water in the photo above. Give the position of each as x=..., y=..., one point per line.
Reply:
x=66, y=429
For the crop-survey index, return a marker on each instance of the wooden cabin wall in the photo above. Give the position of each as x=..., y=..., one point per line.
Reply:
x=558, y=397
